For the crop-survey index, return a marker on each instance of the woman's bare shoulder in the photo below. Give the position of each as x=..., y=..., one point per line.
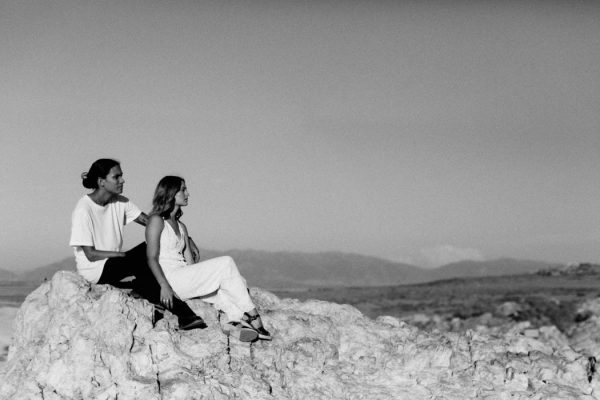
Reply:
x=183, y=226
x=156, y=220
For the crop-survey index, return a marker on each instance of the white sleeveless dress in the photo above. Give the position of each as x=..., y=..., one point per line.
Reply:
x=217, y=281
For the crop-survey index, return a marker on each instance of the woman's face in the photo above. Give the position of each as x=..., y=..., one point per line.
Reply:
x=181, y=197
x=113, y=183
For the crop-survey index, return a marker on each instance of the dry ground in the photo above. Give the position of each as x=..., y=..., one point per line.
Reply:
x=544, y=299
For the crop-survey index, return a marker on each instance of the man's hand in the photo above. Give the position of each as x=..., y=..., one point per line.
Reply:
x=194, y=250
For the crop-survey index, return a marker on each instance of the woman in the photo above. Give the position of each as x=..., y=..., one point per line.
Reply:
x=168, y=250
x=97, y=238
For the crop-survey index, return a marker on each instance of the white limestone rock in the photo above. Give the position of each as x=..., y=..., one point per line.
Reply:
x=509, y=309
x=585, y=335
x=79, y=341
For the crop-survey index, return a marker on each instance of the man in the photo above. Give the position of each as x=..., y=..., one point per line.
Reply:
x=97, y=238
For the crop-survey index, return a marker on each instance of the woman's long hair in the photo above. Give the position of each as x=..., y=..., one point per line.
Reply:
x=99, y=169
x=163, y=202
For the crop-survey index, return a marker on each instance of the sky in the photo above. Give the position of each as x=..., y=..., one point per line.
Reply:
x=424, y=132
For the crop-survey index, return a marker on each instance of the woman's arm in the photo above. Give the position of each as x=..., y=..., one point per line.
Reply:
x=193, y=249
x=187, y=252
x=95, y=255
x=154, y=228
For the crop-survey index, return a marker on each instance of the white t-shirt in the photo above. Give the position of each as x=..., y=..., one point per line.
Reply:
x=101, y=227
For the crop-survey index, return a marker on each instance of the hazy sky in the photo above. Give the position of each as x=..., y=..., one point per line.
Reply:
x=422, y=131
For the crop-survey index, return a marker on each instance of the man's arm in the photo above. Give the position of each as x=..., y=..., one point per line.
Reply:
x=94, y=255
x=142, y=219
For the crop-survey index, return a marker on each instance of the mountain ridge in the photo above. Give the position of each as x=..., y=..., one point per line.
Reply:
x=6, y=275
x=281, y=269
x=496, y=267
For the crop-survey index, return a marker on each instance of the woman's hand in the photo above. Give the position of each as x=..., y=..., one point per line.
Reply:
x=194, y=250
x=166, y=295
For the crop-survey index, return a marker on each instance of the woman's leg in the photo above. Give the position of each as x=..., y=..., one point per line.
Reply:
x=234, y=292
x=219, y=275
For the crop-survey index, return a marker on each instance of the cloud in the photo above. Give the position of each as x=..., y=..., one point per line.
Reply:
x=437, y=256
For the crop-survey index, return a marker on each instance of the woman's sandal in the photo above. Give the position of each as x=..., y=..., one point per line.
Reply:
x=240, y=332
x=263, y=334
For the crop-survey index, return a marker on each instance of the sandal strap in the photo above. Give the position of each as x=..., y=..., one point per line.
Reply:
x=250, y=318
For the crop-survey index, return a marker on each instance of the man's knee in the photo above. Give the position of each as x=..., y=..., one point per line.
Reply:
x=139, y=251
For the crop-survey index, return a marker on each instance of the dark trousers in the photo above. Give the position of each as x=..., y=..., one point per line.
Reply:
x=134, y=264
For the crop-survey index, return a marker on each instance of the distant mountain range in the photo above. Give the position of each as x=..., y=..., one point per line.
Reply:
x=46, y=272
x=7, y=275
x=498, y=267
x=295, y=269
x=38, y=274
x=284, y=270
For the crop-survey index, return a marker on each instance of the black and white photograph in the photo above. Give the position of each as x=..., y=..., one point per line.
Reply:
x=299, y=199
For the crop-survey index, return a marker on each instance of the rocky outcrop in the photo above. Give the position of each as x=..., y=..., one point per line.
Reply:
x=585, y=335
x=73, y=340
